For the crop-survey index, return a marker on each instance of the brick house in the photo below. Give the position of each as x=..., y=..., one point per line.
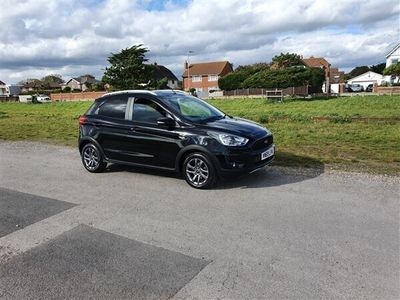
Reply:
x=204, y=77
x=320, y=62
x=336, y=78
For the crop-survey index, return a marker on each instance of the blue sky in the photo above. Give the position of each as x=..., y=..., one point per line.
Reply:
x=72, y=37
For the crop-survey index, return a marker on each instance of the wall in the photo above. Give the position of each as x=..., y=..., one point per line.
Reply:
x=86, y=96
x=392, y=90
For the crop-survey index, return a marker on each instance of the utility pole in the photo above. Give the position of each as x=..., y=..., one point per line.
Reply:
x=188, y=67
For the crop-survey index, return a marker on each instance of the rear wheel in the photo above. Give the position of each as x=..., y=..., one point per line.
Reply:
x=92, y=159
x=199, y=171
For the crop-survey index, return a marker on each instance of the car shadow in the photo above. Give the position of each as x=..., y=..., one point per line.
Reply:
x=287, y=169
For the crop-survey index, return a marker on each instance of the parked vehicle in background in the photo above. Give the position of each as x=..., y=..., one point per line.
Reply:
x=369, y=88
x=353, y=88
x=171, y=130
x=25, y=98
x=43, y=99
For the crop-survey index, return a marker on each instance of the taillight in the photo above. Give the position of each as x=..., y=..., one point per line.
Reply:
x=82, y=120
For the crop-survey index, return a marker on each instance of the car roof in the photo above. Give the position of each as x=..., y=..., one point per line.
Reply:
x=149, y=92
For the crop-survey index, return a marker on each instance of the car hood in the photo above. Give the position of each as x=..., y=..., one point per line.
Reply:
x=237, y=126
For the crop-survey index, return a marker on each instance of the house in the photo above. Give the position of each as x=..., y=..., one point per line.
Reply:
x=3, y=89
x=81, y=83
x=37, y=85
x=336, y=78
x=161, y=72
x=204, y=77
x=393, y=57
x=367, y=78
x=320, y=62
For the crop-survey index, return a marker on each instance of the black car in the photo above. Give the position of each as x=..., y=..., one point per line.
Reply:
x=171, y=130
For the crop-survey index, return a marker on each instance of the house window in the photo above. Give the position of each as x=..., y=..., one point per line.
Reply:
x=395, y=61
x=212, y=77
x=196, y=78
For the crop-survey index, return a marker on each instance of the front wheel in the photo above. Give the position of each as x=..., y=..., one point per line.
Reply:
x=199, y=171
x=92, y=159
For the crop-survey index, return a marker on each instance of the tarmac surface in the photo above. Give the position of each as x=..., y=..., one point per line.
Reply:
x=133, y=233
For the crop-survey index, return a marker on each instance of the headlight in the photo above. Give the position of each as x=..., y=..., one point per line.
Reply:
x=230, y=139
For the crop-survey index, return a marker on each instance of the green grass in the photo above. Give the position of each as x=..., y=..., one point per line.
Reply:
x=355, y=133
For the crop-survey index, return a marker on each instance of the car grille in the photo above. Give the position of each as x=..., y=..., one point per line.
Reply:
x=263, y=143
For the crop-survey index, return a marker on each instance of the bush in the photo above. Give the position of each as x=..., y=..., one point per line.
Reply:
x=233, y=81
x=283, y=78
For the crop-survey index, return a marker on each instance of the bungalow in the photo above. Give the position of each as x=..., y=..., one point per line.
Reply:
x=161, y=72
x=367, y=78
x=204, y=77
x=81, y=83
x=393, y=57
x=37, y=85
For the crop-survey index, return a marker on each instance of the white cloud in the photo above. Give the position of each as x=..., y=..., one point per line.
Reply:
x=68, y=37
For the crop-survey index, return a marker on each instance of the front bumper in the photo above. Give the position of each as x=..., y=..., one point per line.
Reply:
x=236, y=162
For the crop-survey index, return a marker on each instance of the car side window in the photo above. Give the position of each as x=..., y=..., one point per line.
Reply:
x=114, y=107
x=147, y=111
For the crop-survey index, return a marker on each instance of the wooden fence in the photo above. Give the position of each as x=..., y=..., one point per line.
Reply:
x=296, y=90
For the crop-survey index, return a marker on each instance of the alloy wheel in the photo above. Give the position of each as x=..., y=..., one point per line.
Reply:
x=91, y=158
x=197, y=171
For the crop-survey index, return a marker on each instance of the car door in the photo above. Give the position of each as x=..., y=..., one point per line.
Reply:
x=112, y=126
x=151, y=144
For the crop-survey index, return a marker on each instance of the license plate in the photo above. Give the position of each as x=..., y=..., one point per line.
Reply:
x=268, y=153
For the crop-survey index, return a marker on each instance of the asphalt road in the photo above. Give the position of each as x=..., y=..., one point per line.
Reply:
x=277, y=234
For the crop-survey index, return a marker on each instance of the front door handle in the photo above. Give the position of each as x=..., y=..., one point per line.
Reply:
x=133, y=128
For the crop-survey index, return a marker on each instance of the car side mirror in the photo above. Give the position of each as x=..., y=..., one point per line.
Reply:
x=166, y=122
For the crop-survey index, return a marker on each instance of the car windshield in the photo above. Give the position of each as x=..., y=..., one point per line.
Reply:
x=193, y=109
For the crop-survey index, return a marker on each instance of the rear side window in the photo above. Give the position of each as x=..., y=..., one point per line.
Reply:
x=113, y=108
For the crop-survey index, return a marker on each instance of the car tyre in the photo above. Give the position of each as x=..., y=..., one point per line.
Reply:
x=198, y=171
x=92, y=159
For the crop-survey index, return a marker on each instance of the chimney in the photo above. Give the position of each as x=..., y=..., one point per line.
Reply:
x=185, y=66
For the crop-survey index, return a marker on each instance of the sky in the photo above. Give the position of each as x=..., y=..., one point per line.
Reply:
x=75, y=37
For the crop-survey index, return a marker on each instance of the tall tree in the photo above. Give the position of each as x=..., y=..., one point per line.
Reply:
x=127, y=68
x=283, y=61
x=357, y=71
x=52, y=78
x=378, y=68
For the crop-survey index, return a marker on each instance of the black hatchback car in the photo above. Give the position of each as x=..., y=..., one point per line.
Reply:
x=171, y=130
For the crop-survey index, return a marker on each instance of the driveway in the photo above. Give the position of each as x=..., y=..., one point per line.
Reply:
x=126, y=233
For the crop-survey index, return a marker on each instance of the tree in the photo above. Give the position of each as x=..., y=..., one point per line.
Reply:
x=234, y=80
x=127, y=68
x=356, y=72
x=29, y=80
x=393, y=70
x=53, y=78
x=378, y=68
x=283, y=61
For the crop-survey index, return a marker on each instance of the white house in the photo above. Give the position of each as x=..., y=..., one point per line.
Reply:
x=3, y=89
x=393, y=57
x=367, y=79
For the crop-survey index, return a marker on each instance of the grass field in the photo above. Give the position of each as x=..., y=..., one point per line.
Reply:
x=355, y=133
